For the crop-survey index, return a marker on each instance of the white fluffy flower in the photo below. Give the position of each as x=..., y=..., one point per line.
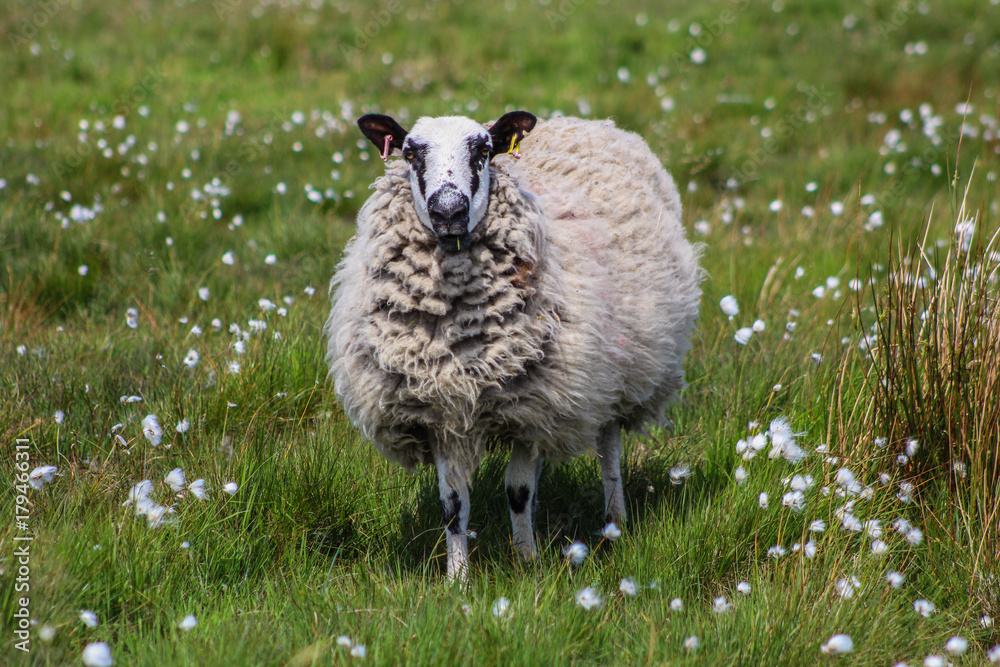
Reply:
x=97, y=654
x=993, y=655
x=192, y=358
x=611, y=532
x=359, y=651
x=691, y=643
x=679, y=472
x=183, y=426
x=763, y=500
x=923, y=607
x=957, y=645
x=817, y=526
x=809, y=549
x=345, y=641
x=628, y=586
x=895, y=579
x=879, y=548
x=740, y=475
x=588, y=598
x=188, y=623
x=152, y=430
x=743, y=335
x=40, y=476
x=197, y=489
x=677, y=604
x=230, y=488
x=501, y=608
x=743, y=587
x=777, y=551
x=88, y=618
x=721, y=605
x=794, y=500
x=175, y=479
x=576, y=553
x=839, y=643
x=729, y=306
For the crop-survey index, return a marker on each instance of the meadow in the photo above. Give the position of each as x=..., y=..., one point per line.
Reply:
x=178, y=180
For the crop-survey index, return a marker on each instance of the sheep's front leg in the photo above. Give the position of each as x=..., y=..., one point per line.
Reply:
x=522, y=494
x=609, y=450
x=454, y=489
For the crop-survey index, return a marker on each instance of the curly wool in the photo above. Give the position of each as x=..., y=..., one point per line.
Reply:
x=570, y=309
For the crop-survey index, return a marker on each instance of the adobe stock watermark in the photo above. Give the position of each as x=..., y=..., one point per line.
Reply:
x=786, y=126
x=22, y=549
x=705, y=36
x=251, y=147
x=364, y=34
x=29, y=26
x=901, y=13
x=930, y=155
x=121, y=106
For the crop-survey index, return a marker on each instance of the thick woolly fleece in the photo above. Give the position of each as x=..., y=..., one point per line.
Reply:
x=571, y=309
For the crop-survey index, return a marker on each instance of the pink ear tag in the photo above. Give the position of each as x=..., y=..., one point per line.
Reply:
x=386, y=148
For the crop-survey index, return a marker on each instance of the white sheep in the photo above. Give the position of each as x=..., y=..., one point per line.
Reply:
x=542, y=304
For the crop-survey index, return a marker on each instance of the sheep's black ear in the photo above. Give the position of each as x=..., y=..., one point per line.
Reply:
x=378, y=128
x=510, y=127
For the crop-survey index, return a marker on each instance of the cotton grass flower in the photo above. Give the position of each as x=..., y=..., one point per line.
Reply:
x=957, y=645
x=611, y=532
x=879, y=548
x=993, y=655
x=501, y=608
x=721, y=605
x=175, y=480
x=628, y=586
x=188, y=623
x=197, y=489
x=730, y=307
x=588, y=598
x=743, y=335
x=231, y=488
x=345, y=642
x=679, y=473
x=691, y=643
x=839, y=643
x=763, y=501
x=777, y=551
x=152, y=430
x=743, y=587
x=986, y=622
x=40, y=476
x=97, y=654
x=895, y=579
x=359, y=651
x=183, y=426
x=677, y=604
x=88, y=618
x=575, y=553
x=192, y=358
x=59, y=417
x=740, y=475
x=817, y=526
x=924, y=607
x=794, y=500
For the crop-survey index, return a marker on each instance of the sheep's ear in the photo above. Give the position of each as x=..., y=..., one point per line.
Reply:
x=383, y=131
x=508, y=131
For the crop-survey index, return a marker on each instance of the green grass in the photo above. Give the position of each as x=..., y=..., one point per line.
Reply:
x=323, y=537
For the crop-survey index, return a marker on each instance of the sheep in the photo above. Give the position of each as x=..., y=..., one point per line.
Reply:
x=544, y=304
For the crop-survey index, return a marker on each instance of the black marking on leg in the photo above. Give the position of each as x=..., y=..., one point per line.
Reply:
x=451, y=508
x=608, y=518
x=518, y=498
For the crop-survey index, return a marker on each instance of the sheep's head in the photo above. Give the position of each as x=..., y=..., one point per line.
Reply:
x=449, y=166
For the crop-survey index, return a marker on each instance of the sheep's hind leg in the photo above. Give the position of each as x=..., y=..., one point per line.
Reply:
x=522, y=494
x=454, y=489
x=609, y=450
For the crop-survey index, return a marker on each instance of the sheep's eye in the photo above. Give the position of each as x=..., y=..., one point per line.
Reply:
x=409, y=155
x=484, y=151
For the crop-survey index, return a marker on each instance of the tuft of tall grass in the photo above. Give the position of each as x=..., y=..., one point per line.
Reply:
x=934, y=381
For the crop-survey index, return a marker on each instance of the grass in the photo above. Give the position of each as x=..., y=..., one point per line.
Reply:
x=252, y=106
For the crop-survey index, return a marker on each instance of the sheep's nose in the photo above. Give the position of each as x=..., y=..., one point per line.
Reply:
x=449, y=210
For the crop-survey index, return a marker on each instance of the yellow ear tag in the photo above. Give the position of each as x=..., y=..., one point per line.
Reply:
x=514, y=144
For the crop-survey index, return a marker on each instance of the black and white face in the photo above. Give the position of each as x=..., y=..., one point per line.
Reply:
x=450, y=175
x=449, y=166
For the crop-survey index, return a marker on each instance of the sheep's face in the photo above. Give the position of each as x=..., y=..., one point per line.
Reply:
x=449, y=167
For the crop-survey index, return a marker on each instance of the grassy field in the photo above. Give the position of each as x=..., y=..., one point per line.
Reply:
x=182, y=176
